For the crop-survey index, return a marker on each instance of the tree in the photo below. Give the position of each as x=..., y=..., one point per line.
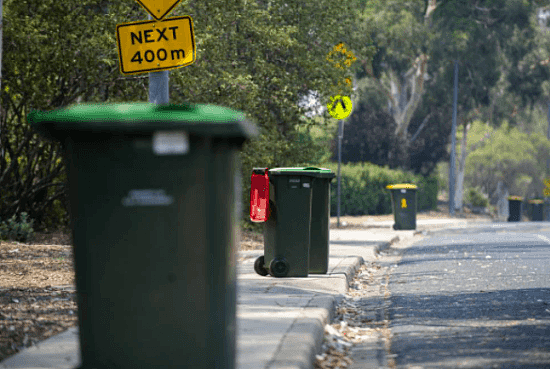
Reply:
x=262, y=58
x=46, y=66
x=493, y=41
x=506, y=154
x=369, y=137
x=402, y=32
x=254, y=56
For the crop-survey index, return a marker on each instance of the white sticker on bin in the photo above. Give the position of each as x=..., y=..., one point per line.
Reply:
x=170, y=142
x=147, y=197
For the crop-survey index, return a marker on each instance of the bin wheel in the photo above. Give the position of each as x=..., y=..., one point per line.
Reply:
x=259, y=266
x=395, y=226
x=279, y=267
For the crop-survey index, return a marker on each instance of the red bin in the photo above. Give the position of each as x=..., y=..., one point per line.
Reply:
x=259, y=195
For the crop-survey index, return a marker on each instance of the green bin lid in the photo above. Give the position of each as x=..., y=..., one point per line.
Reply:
x=303, y=171
x=141, y=117
x=536, y=201
x=401, y=186
x=519, y=198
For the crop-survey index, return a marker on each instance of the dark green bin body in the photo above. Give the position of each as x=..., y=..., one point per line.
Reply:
x=154, y=236
x=537, y=210
x=514, y=210
x=287, y=233
x=320, y=224
x=405, y=217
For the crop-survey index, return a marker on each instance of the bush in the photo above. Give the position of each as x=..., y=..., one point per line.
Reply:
x=475, y=198
x=363, y=189
x=20, y=231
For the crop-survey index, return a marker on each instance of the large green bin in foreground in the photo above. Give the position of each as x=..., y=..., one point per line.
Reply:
x=403, y=197
x=155, y=195
x=287, y=234
x=515, y=208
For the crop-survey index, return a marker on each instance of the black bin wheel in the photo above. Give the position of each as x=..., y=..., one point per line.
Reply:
x=395, y=226
x=279, y=267
x=259, y=266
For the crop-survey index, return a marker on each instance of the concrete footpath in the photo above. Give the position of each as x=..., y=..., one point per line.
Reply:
x=280, y=320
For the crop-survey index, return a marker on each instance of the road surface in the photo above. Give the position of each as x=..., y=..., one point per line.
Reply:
x=468, y=298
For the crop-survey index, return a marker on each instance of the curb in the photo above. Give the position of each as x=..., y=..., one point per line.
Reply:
x=304, y=338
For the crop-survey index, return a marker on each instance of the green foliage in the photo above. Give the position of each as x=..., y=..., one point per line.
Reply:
x=18, y=230
x=363, y=189
x=257, y=57
x=474, y=197
x=369, y=136
x=507, y=154
x=45, y=66
x=399, y=33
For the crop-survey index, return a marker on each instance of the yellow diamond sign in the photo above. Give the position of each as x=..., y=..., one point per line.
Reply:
x=339, y=106
x=151, y=46
x=158, y=8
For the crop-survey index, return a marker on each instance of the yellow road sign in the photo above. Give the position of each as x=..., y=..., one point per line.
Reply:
x=152, y=46
x=339, y=106
x=158, y=8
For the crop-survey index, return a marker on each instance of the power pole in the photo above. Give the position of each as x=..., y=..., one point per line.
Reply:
x=452, y=164
x=159, y=85
x=547, y=136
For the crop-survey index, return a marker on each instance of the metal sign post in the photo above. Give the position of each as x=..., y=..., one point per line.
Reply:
x=159, y=86
x=340, y=137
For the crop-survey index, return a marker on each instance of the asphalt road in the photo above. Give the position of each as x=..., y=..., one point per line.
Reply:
x=472, y=298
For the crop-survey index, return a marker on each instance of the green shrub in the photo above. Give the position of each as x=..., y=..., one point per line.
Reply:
x=363, y=189
x=20, y=230
x=474, y=197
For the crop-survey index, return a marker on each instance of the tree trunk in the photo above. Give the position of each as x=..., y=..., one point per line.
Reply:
x=1, y=47
x=404, y=91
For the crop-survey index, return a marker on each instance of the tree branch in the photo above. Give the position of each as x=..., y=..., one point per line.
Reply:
x=424, y=121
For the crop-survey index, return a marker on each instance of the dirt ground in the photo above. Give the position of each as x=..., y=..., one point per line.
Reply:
x=37, y=295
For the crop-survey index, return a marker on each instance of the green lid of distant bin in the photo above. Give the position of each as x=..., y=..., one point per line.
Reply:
x=401, y=186
x=518, y=198
x=303, y=171
x=536, y=201
x=141, y=117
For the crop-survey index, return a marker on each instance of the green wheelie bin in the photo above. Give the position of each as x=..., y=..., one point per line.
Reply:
x=537, y=210
x=287, y=234
x=154, y=197
x=320, y=222
x=514, y=208
x=403, y=198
